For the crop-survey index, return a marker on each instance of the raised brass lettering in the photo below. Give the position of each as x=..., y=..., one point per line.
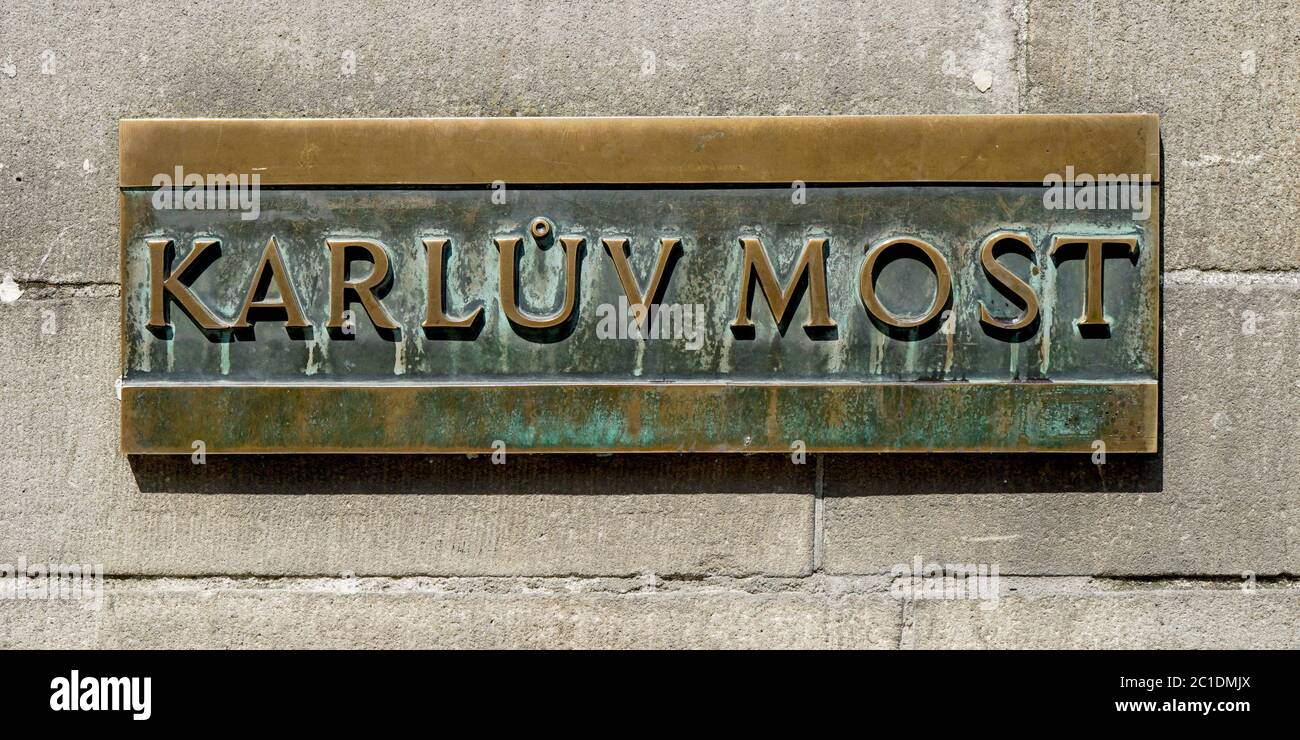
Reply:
x=271, y=269
x=867, y=282
x=810, y=270
x=639, y=303
x=1004, y=279
x=912, y=303
x=1094, y=246
x=509, y=252
x=435, y=316
x=161, y=287
x=363, y=290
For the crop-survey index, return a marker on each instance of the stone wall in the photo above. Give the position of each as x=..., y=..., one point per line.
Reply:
x=1197, y=546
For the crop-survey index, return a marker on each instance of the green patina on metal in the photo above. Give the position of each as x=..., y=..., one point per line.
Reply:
x=951, y=385
x=558, y=418
x=708, y=275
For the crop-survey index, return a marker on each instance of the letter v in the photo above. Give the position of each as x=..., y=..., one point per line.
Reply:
x=618, y=251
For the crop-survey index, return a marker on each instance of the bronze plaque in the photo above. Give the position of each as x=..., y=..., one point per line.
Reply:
x=954, y=283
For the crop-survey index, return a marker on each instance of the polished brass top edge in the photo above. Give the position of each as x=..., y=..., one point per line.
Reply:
x=642, y=150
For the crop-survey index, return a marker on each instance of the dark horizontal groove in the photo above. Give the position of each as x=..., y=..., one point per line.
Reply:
x=37, y=284
x=690, y=576
x=1219, y=578
x=651, y=186
x=565, y=576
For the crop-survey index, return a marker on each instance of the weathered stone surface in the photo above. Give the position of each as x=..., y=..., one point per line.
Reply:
x=651, y=613
x=1223, y=497
x=58, y=150
x=460, y=613
x=1079, y=613
x=1222, y=76
x=69, y=495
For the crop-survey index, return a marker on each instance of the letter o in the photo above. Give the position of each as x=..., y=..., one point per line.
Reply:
x=867, y=282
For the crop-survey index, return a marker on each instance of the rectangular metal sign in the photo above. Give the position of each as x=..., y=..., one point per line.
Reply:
x=955, y=283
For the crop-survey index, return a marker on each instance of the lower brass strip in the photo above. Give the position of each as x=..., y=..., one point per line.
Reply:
x=915, y=417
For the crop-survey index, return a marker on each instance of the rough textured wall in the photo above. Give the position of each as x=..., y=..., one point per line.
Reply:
x=659, y=550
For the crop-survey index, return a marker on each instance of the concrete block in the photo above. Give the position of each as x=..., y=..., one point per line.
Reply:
x=463, y=613
x=1079, y=613
x=1222, y=76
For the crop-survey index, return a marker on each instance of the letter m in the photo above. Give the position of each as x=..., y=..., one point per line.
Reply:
x=809, y=275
